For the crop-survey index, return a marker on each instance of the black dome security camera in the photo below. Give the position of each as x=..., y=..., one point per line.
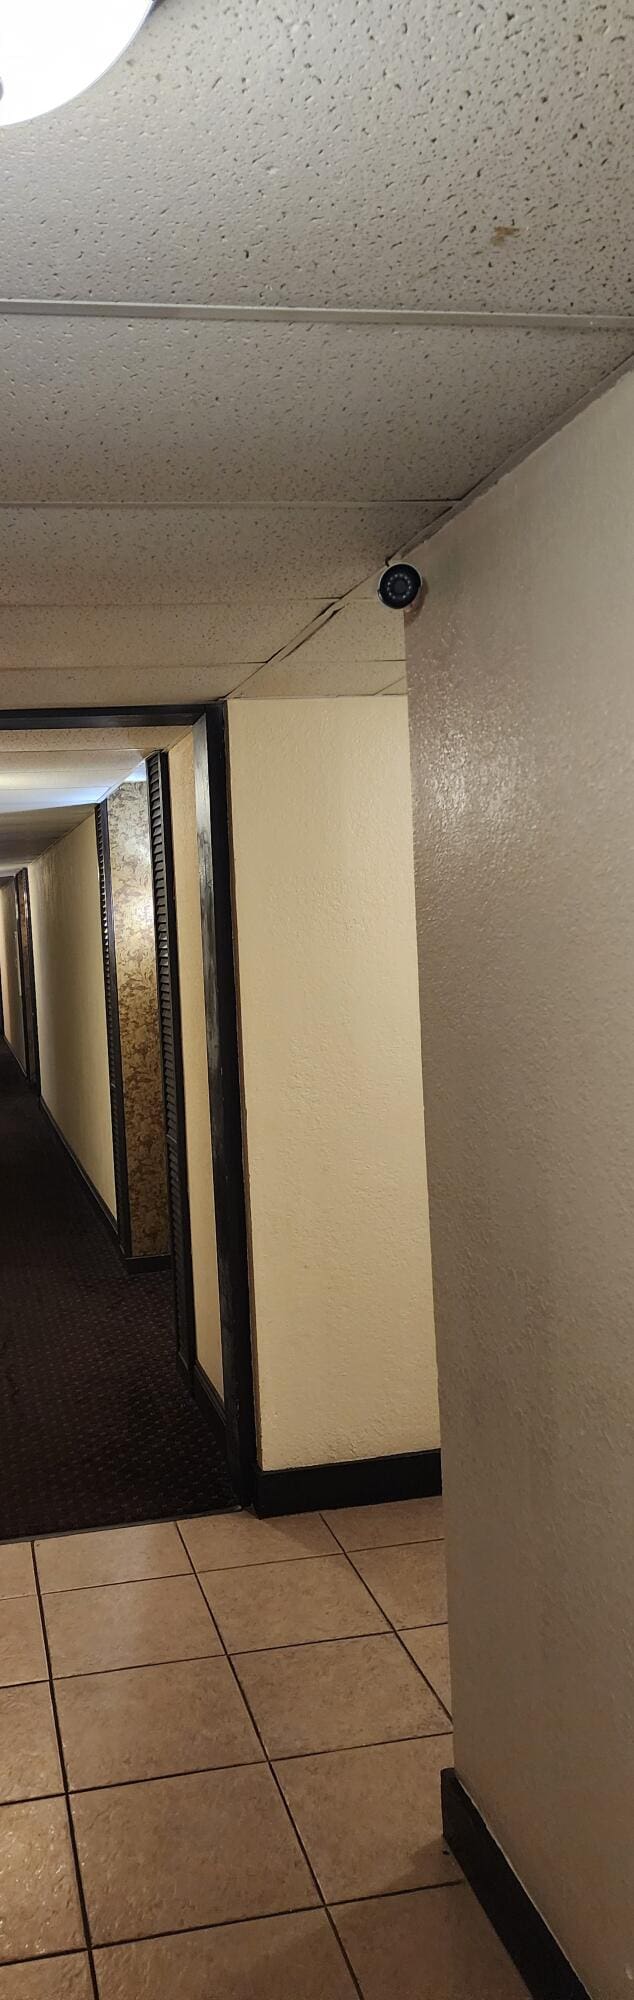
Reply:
x=399, y=586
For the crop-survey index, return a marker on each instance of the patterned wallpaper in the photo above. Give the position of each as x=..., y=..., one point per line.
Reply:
x=131, y=874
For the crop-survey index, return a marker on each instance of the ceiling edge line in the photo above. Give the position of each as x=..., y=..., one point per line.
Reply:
x=377, y=316
x=218, y=506
x=517, y=458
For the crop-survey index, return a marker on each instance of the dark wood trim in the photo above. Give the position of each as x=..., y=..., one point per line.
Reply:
x=136, y=1266
x=162, y=713
x=209, y=1403
x=171, y=1037
x=225, y=1091
x=540, y=1960
x=117, y=1100
x=27, y=974
x=96, y=1198
x=298, y=1489
x=18, y=932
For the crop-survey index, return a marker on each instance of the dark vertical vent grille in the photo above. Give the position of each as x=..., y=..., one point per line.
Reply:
x=171, y=1051
x=117, y=1105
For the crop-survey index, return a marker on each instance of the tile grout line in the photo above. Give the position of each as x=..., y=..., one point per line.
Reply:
x=236, y=1764
x=219, y=1569
x=83, y=1907
x=285, y=1803
x=234, y=1923
x=394, y=1628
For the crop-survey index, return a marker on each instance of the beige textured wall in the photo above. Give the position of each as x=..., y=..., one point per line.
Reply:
x=10, y=971
x=135, y=949
x=71, y=1011
x=522, y=716
x=201, y=1194
x=322, y=828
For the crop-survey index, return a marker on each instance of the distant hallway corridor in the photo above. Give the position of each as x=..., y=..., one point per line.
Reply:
x=96, y=1426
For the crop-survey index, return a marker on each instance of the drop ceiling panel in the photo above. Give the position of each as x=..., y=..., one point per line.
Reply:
x=51, y=779
x=118, y=687
x=147, y=412
x=300, y=675
x=447, y=154
x=132, y=556
x=166, y=638
x=83, y=746
x=361, y=630
x=25, y=835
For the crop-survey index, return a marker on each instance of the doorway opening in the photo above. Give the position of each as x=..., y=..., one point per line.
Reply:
x=125, y=1354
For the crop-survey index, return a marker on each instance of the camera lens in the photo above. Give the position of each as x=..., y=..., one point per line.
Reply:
x=399, y=585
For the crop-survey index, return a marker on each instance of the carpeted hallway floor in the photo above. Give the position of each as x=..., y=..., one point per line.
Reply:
x=96, y=1427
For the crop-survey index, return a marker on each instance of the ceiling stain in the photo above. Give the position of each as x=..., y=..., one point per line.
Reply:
x=502, y=231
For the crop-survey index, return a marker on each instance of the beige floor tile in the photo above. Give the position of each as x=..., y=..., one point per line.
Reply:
x=429, y=1646
x=29, y=1761
x=437, y=1945
x=334, y=1695
x=115, y=1555
x=383, y=1526
x=370, y=1819
x=226, y=1541
x=47, y=1979
x=286, y=1604
x=16, y=1570
x=128, y=1625
x=186, y=1851
x=22, y=1655
x=279, y=1958
x=151, y=1722
x=410, y=1583
x=38, y=1893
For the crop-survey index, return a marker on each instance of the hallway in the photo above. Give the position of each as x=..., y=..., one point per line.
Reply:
x=96, y=1426
x=252, y=1718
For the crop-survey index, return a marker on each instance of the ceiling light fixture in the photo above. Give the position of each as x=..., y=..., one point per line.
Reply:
x=51, y=50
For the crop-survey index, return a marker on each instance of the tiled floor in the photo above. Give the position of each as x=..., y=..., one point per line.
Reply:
x=220, y=1748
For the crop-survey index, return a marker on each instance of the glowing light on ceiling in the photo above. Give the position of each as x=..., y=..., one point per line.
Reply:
x=51, y=50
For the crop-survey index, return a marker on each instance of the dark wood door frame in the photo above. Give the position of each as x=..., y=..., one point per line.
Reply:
x=113, y=1031
x=225, y=1084
x=169, y=1007
x=27, y=978
x=225, y=1089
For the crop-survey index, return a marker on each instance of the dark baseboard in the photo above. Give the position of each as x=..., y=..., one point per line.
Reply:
x=96, y=1198
x=300, y=1489
x=518, y=1923
x=208, y=1401
x=134, y=1266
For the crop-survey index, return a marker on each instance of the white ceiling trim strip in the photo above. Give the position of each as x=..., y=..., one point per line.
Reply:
x=313, y=315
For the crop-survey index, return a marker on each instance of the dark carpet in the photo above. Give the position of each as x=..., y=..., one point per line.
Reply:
x=96, y=1425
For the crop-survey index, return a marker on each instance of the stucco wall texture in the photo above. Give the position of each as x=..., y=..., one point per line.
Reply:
x=71, y=1007
x=335, y=1148
x=522, y=732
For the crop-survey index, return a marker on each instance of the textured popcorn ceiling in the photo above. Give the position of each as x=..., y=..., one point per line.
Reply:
x=159, y=412
x=182, y=499
x=350, y=152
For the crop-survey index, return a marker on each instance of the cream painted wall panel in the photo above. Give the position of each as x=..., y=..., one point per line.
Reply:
x=10, y=971
x=71, y=1007
x=199, y=1162
x=522, y=703
x=322, y=831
